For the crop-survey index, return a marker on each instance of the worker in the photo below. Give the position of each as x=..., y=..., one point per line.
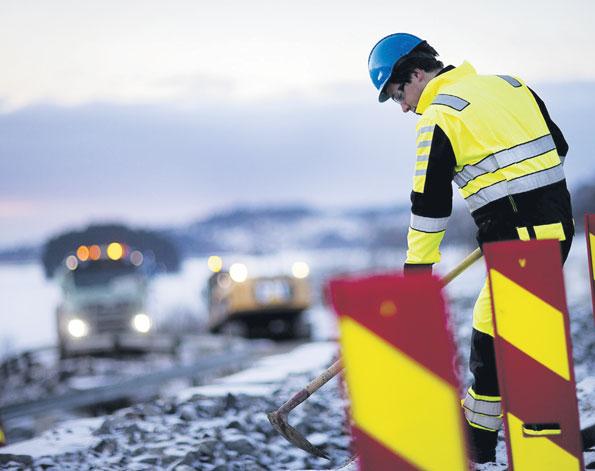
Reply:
x=494, y=137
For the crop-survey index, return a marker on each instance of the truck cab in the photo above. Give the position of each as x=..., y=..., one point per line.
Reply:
x=104, y=303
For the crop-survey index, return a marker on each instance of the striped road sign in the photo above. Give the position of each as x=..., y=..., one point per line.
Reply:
x=590, y=232
x=534, y=355
x=400, y=370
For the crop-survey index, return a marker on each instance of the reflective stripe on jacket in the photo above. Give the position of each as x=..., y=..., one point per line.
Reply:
x=490, y=134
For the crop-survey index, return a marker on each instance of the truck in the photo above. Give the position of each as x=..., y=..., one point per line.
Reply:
x=271, y=306
x=104, y=307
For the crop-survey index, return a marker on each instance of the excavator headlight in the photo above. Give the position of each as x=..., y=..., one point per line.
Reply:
x=77, y=328
x=142, y=323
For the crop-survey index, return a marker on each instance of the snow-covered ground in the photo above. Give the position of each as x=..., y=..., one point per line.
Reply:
x=222, y=426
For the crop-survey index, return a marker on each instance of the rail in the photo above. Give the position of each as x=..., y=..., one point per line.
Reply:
x=128, y=387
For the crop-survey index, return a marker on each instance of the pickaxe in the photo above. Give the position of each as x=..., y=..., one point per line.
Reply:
x=278, y=418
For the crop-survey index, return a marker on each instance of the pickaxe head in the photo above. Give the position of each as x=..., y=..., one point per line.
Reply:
x=278, y=420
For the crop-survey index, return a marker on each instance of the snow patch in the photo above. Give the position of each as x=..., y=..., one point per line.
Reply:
x=71, y=436
x=223, y=390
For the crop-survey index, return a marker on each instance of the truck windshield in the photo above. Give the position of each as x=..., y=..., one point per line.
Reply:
x=101, y=272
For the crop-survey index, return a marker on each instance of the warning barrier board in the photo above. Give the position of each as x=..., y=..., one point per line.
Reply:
x=590, y=233
x=399, y=362
x=534, y=355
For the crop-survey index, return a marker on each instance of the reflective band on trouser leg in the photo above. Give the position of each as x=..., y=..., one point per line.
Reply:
x=483, y=412
x=523, y=233
x=482, y=311
x=404, y=395
x=550, y=231
x=533, y=353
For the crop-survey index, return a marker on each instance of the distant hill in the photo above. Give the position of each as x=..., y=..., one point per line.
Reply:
x=264, y=229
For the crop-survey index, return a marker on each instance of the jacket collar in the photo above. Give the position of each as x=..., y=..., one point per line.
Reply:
x=444, y=78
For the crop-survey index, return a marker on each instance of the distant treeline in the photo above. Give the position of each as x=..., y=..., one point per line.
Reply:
x=158, y=250
x=262, y=230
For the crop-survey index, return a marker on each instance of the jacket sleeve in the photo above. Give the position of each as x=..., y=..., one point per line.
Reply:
x=431, y=198
x=561, y=144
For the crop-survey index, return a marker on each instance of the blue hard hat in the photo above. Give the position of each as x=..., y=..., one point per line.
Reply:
x=385, y=54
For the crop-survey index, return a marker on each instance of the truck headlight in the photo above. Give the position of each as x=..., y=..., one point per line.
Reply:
x=300, y=270
x=142, y=323
x=77, y=328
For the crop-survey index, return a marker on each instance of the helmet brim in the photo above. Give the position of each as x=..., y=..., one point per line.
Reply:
x=383, y=96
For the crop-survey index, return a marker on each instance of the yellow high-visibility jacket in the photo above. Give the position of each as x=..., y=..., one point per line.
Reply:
x=493, y=136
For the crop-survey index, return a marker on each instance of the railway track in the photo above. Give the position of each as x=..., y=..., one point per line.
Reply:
x=31, y=366
x=127, y=388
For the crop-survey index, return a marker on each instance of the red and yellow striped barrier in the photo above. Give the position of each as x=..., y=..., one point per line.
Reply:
x=533, y=354
x=590, y=233
x=400, y=370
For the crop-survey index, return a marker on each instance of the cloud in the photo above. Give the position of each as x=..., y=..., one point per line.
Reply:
x=160, y=164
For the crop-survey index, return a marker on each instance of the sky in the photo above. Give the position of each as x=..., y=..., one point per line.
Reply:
x=156, y=113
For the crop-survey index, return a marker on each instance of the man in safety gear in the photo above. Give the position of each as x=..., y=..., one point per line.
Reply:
x=494, y=137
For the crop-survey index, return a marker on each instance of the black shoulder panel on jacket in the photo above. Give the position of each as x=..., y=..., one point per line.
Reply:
x=436, y=200
x=559, y=140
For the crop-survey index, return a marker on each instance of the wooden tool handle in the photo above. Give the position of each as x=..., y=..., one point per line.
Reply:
x=461, y=267
x=324, y=377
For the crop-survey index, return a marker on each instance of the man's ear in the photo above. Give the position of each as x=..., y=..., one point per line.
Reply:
x=419, y=74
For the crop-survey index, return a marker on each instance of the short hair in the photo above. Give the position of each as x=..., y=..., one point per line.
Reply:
x=423, y=57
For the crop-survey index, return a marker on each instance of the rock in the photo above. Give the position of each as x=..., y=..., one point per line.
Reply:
x=169, y=459
x=25, y=460
x=247, y=465
x=266, y=461
x=183, y=467
x=45, y=462
x=107, y=445
x=235, y=424
x=168, y=406
x=317, y=439
x=149, y=460
x=141, y=450
x=188, y=413
x=242, y=445
x=109, y=425
x=209, y=408
x=262, y=424
x=342, y=442
x=258, y=437
x=134, y=433
x=230, y=401
x=207, y=447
